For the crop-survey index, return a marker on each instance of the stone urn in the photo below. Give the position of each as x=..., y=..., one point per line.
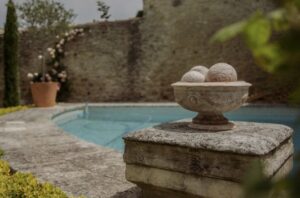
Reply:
x=211, y=100
x=44, y=93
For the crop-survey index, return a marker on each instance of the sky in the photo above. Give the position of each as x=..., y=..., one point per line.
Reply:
x=86, y=10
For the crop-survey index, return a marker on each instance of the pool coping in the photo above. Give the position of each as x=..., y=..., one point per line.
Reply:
x=33, y=143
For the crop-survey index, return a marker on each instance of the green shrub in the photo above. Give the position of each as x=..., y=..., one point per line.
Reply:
x=4, y=168
x=10, y=46
x=24, y=185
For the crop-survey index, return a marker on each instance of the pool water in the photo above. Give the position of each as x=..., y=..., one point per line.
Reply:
x=106, y=125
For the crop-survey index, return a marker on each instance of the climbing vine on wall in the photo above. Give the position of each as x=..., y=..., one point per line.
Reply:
x=57, y=53
x=57, y=69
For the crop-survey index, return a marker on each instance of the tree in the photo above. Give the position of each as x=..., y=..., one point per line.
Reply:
x=140, y=14
x=103, y=9
x=11, y=73
x=274, y=39
x=48, y=16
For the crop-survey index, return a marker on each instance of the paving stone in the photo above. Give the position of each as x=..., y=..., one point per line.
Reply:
x=76, y=166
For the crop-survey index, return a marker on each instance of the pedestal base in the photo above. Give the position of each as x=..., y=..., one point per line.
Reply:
x=174, y=159
x=212, y=128
x=211, y=122
x=160, y=183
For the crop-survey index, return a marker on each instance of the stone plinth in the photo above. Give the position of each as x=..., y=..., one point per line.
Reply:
x=173, y=160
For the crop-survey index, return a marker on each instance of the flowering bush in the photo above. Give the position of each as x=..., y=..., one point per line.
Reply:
x=57, y=71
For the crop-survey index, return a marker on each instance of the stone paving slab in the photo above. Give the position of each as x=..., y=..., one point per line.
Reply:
x=33, y=143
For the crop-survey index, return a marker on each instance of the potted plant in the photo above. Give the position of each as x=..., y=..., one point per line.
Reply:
x=44, y=85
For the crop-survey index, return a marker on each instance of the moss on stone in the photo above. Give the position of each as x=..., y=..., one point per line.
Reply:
x=4, y=111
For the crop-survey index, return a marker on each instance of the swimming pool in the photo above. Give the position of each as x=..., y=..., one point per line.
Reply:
x=106, y=125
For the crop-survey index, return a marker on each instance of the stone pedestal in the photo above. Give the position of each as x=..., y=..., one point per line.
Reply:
x=173, y=160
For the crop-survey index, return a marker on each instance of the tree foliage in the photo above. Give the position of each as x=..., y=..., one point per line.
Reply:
x=273, y=38
x=104, y=10
x=47, y=16
x=139, y=14
x=11, y=72
x=257, y=185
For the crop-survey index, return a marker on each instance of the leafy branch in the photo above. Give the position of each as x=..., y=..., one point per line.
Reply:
x=104, y=10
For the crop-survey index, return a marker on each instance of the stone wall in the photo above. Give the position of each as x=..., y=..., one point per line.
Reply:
x=175, y=37
x=97, y=62
x=138, y=59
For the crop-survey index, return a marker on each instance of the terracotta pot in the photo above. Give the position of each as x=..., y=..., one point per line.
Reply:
x=44, y=93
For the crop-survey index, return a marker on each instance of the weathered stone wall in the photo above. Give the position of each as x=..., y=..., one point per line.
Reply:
x=176, y=35
x=138, y=59
x=97, y=62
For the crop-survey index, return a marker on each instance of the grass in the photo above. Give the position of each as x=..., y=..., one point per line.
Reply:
x=7, y=110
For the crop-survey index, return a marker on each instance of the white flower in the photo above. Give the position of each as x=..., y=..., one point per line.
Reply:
x=81, y=30
x=36, y=74
x=58, y=46
x=57, y=36
x=40, y=57
x=48, y=77
x=30, y=76
x=60, y=75
x=49, y=49
x=67, y=34
x=62, y=41
x=60, y=50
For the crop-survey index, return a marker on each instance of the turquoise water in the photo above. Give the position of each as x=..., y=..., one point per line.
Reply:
x=106, y=125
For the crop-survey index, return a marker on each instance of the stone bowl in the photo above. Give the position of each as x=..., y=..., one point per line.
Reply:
x=211, y=100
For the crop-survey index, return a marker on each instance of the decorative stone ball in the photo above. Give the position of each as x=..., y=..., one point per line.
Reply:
x=193, y=76
x=202, y=69
x=221, y=72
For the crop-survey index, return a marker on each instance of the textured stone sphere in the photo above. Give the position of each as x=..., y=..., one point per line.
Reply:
x=221, y=72
x=193, y=76
x=202, y=69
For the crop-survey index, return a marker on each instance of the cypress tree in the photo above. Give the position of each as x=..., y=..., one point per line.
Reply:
x=11, y=73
